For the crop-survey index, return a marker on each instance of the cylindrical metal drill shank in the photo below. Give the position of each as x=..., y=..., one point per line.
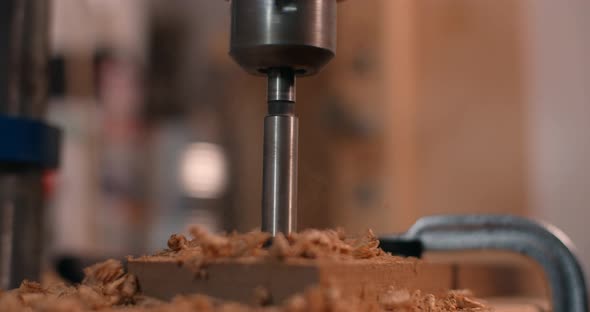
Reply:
x=300, y=34
x=279, y=197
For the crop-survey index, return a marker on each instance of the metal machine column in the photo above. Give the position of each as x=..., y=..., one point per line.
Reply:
x=27, y=145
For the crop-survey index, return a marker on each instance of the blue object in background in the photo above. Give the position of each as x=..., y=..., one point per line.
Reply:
x=27, y=142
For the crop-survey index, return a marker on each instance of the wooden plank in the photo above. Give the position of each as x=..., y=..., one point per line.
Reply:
x=519, y=304
x=240, y=280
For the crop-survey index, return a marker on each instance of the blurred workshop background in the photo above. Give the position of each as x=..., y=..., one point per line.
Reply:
x=430, y=107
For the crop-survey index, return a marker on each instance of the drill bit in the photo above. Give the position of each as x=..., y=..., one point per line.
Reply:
x=279, y=185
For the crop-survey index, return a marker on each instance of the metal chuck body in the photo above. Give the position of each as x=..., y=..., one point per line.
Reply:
x=281, y=132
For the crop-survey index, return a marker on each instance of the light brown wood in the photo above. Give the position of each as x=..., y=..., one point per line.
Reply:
x=399, y=85
x=519, y=304
x=470, y=107
x=495, y=274
x=238, y=281
x=442, y=86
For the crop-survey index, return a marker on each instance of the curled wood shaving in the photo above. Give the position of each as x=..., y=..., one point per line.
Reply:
x=330, y=244
x=104, y=272
x=453, y=301
x=105, y=285
x=367, y=247
x=177, y=242
x=280, y=248
x=206, y=247
x=213, y=246
x=316, y=244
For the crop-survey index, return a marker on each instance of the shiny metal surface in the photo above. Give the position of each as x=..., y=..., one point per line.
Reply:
x=281, y=85
x=543, y=243
x=279, y=185
x=23, y=83
x=283, y=33
x=282, y=39
x=279, y=195
x=21, y=227
x=281, y=91
x=24, y=48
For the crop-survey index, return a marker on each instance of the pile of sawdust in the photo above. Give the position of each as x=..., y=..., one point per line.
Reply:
x=404, y=301
x=105, y=290
x=328, y=300
x=330, y=244
x=107, y=287
x=205, y=247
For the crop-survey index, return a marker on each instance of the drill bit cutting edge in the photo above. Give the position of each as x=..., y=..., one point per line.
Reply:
x=282, y=39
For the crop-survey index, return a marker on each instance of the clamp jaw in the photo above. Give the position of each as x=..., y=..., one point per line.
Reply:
x=544, y=243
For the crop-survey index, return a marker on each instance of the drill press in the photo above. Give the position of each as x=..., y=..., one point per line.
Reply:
x=282, y=39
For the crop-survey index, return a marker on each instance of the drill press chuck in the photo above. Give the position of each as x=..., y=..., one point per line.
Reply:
x=282, y=39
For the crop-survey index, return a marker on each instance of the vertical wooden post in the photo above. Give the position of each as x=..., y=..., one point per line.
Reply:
x=399, y=56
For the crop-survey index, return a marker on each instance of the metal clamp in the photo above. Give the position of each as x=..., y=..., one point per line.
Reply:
x=544, y=243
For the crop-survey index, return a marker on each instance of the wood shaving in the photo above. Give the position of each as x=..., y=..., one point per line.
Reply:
x=31, y=297
x=177, y=242
x=207, y=247
x=104, y=272
x=107, y=287
x=404, y=301
x=280, y=248
x=327, y=299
